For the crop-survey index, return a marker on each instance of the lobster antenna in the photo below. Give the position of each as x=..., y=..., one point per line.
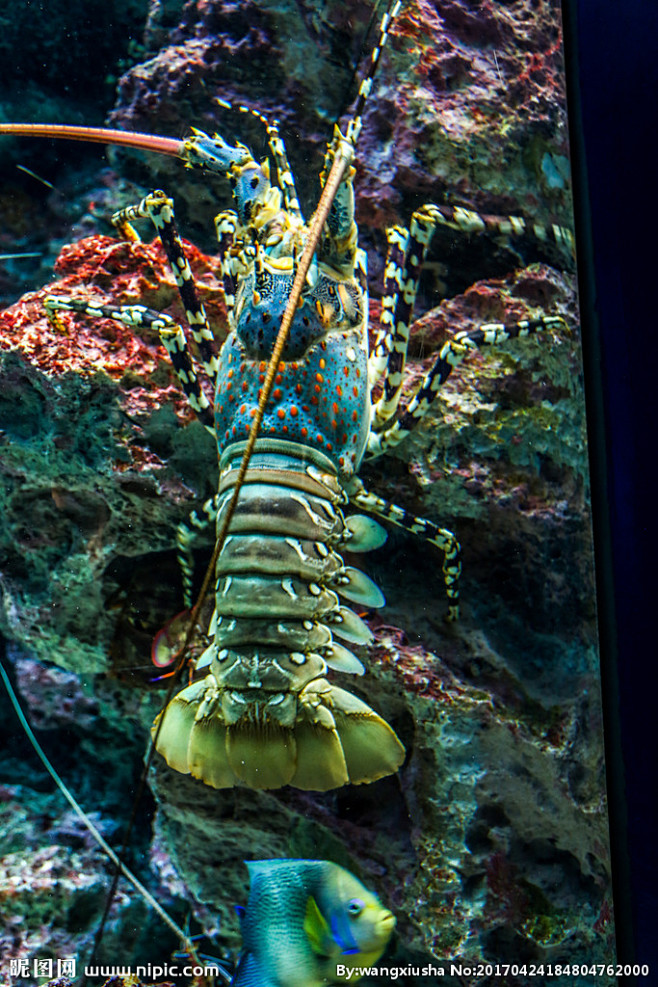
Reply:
x=82, y=815
x=355, y=67
x=96, y=135
x=354, y=126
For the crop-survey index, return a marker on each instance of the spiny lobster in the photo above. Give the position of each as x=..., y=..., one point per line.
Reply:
x=264, y=715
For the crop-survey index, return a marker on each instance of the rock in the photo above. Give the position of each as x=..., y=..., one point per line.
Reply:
x=491, y=843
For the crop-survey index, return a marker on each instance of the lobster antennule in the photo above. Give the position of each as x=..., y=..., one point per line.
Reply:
x=97, y=135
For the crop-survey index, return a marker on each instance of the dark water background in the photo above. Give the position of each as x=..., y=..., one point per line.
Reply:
x=611, y=54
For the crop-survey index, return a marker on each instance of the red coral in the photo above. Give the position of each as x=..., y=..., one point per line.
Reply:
x=105, y=271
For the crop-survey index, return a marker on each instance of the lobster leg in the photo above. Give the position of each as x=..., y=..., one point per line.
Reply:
x=441, y=537
x=186, y=534
x=171, y=336
x=226, y=224
x=407, y=250
x=397, y=237
x=159, y=208
x=466, y=221
x=450, y=355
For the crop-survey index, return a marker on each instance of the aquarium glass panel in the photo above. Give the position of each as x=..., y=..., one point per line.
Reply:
x=295, y=504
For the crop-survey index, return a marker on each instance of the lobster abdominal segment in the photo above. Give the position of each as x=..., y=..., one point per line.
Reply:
x=265, y=715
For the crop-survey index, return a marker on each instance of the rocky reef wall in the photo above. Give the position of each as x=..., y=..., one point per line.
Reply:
x=491, y=843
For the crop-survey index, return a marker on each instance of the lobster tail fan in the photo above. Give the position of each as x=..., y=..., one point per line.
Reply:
x=262, y=756
x=195, y=739
x=320, y=759
x=192, y=737
x=173, y=727
x=336, y=740
x=207, y=755
x=372, y=749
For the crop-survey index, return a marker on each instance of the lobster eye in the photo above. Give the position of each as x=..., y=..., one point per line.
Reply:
x=355, y=906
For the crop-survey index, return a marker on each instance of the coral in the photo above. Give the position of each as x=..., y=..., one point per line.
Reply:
x=53, y=888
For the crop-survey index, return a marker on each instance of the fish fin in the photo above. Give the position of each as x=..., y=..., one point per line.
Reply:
x=316, y=928
x=250, y=973
x=167, y=643
x=257, y=868
x=322, y=936
x=240, y=911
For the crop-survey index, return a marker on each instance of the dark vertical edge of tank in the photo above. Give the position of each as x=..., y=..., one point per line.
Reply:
x=611, y=82
x=599, y=461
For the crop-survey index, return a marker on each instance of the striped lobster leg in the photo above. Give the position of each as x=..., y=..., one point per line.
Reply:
x=187, y=532
x=450, y=356
x=159, y=208
x=407, y=251
x=172, y=337
x=444, y=539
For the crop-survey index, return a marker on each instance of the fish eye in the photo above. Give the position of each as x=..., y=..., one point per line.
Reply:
x=355, y=906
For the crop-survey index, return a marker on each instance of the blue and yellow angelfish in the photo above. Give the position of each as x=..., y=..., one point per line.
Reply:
x=303, y=919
